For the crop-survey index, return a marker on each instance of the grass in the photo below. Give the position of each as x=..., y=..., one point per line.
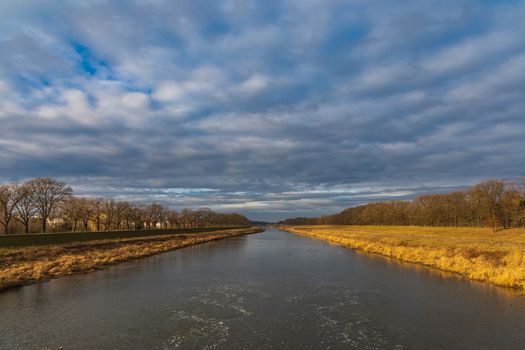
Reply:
x=24, y=265
x=477, y=253
x=70, y=237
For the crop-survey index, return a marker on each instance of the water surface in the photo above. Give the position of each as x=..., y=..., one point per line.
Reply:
x=266, y=291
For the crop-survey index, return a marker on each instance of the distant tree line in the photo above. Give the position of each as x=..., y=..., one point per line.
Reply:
x=492, y=203
x=41, y=204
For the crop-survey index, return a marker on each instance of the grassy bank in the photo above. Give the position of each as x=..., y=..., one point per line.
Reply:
x=23, y=265
x=476, y=253
x=70, y=237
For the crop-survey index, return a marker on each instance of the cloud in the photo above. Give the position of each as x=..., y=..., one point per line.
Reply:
x=254, y=84
x=274, y=109
x=168, y=91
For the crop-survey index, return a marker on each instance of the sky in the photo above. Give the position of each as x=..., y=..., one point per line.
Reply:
x=273, y=109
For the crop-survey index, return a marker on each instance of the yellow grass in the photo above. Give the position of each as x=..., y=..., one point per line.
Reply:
x=476, y=253
x=19, y=266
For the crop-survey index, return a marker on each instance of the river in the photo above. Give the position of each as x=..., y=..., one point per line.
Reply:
x=272, y=290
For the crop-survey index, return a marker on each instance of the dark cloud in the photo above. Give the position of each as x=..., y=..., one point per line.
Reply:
x=274, y=109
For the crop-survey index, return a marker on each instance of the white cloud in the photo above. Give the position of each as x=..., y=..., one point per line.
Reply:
x=169, y=91
x=472, y=52
x=73, y=105
x=135, y=100
x=254, y=84
x=505, y=78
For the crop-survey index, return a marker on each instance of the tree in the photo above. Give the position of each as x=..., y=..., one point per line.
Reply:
x=510, y=205
x=120, y=213
x=187, y=218
x=521, y=205
x=492, y=203
x=172, y=218
x=156, y=214
x=488, y=196
x=110, y=207
x=25, y=207
x=44, y=199
x=98, y=211
x=203, y=216
x=9, y=198
x=131, y=215
x=72, y=212
x=48, y=194
x=85, y=210
x=144, y=215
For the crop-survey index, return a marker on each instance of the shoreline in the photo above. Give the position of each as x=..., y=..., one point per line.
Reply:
x=503, y=268
x=33, y=264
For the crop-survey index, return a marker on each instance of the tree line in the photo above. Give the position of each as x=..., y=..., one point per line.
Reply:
x=492, y=203
x=41, y=204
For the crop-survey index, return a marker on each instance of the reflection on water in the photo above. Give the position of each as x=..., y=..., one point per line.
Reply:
x=433, y=273
x=265, y=291
x=445, y=276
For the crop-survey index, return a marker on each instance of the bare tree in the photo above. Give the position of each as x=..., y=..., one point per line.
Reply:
x=71, y=212
x=98, y=211
x=187, y=217
x=47, y=198
x=492, y=203
x=110, y=207
x=9, y=198
x=510, y=204
x=144, y=216
x=120, y=213
x=157, y=214
x=203, y=217
x=25, y=207
x=521, y=205
x=488, y=195
x=172, y=217
x=86, y=210
x=48, y=194
x=130, y=214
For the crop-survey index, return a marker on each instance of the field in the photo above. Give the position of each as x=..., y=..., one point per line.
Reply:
x=477, y=253
x=23, y=265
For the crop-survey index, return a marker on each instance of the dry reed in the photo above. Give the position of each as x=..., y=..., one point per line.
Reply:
x=20, y=266
x=477, y=253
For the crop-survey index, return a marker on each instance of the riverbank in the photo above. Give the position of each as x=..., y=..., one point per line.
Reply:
x=25, y=240
x=20, y=266
x=476, y=253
